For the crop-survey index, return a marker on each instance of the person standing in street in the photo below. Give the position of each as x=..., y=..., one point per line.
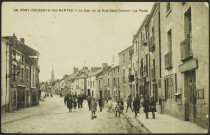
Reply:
x=110, y=104
x=93, y=107
x=100, y=103
x=78, y=101
x=146, y=106
x=81, y=100
x=152, y=105
x=89, y=102
x=70, y=103
x=129, y=102
x=136, y=106
x=122, y=105
x=75, y=103
x=118, y=108
x=66, y=99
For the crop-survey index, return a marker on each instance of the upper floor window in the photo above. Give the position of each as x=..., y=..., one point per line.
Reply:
x=93, y=83
x=14, y=71
x=187, y=23
x=108, y=81
x=99, y=83
x=123, y=75
x=168, y=7
x=169, y=40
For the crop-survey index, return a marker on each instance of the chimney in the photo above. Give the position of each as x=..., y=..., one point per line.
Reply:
x=104, y=66
x=75, y=70
x=14, y=39
x=22, y=40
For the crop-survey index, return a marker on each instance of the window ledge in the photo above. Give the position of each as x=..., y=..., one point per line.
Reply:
x=169, y=11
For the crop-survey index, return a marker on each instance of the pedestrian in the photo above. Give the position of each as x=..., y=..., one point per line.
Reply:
x=78, y=101
x=100, y=103
x=129, y=102
x=122, y=105
x=118, y=108
x=66, y=99
x=75, y=103
x=93, y=106
x=153, y=107
x=89, y=102
x=81, y=100
x=139, y=102
x=69, y=103
x=146, y=106
x=136, y=106
x=110, y=104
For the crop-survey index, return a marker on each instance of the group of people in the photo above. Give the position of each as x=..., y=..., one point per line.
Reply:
x=73, y=100
x=148, y=104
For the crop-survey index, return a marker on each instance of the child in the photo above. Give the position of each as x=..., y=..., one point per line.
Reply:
x=118, y=108
x=93, y=107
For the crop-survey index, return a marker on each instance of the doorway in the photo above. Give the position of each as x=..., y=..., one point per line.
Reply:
x=190, y=87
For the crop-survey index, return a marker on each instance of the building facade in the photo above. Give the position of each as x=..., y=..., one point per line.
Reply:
x=125, y=69
x=184, y=35
x=22, y=83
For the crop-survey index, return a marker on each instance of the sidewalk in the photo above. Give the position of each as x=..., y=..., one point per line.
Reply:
x=49, y=103
x=165, y=123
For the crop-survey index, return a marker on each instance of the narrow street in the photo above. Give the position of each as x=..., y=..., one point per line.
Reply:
x=57, y=119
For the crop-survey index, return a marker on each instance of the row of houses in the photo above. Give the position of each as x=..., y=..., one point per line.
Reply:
x=19, y=74
x=167, y=60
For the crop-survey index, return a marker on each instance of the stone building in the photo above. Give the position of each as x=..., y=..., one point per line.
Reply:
x=116, y=82
x=185, y=52
x=22, y=83
x=124, y=69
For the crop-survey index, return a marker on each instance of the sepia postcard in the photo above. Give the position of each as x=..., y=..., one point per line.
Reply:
x=105, y=67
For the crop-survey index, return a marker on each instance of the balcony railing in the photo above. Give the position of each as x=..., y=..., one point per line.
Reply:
x=152, y=44
x=145, y=73
x=168, y=61
x=153, y=74
x=186, y=50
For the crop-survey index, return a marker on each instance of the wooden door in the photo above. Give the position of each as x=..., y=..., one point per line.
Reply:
x=191, y=95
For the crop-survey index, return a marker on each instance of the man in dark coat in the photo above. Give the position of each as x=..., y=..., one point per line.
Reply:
x=78, y=101
x=152, y=105
x=69, y=103
x=81, y=100
x=122, y=105
x=129, y=102
x=100, y=103
x=136, y=106
x=146, y=106
x=89, y=101
x=66, y=99
x=75, y=103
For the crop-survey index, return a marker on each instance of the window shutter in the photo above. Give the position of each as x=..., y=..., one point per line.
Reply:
x=166, y=87
x=163, y=87
x=175, y=84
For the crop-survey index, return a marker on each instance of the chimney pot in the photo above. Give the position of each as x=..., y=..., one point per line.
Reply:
x=22, y=40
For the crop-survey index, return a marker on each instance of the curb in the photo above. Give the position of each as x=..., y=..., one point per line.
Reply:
x=143, y=125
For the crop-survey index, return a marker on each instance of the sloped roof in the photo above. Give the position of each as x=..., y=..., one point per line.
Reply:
x=96, y=72
x=23, y=48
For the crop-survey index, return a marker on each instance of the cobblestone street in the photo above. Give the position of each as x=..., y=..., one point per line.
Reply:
x=57, y=119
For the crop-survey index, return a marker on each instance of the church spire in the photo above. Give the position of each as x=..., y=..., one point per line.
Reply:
x=52, y=75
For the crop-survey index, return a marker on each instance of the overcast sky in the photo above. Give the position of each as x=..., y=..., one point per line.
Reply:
x=65, y=39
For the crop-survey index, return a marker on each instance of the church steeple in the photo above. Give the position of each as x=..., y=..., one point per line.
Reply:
x=52, y=75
